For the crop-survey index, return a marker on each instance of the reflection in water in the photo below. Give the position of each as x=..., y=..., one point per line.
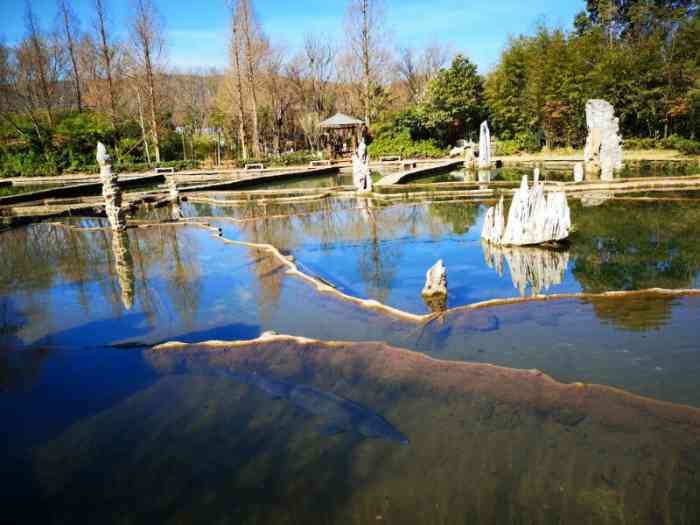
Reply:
x=530, y=267
x=124, y=266
x=487, y=445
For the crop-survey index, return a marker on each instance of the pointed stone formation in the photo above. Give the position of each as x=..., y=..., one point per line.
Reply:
x=603, y=153
x=111, y=191
x=173, y=192
x=435, y=290
x=578, y=172
x=484, y=146
x=533, y=218
x=361, y=175
x=536, y=175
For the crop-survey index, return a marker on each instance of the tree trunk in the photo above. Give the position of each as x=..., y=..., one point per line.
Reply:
x=365, y=57
x=249, y=55
x=144, y=137
x=65, y=15
x=107, y=62
x=239, y=86
x=152, y=100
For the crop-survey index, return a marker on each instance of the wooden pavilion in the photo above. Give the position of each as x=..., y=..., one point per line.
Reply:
x=341, y=133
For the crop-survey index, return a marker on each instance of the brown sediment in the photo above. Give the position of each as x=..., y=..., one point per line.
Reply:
x=486, y=444
x=603, y=404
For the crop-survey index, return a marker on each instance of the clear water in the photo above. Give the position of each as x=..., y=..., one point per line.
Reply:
x=102, y=429
x=562, y=174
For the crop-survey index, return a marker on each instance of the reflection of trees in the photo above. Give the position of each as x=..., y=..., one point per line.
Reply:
x=530, y=267
x=18, y=365
x=40, y=257
x=270, y=273
x=460, y=216
x=637, y=246
x=638, y=314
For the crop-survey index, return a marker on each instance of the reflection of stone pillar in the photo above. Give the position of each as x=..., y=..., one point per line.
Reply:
x=125, y=266
x=110, y=190
x=529, y=267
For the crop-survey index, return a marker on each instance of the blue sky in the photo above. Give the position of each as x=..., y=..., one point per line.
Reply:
x=197, y=29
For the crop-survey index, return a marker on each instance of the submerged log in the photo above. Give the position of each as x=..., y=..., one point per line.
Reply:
x=533, y=218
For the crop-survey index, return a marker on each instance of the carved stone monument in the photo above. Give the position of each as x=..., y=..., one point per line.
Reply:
x=603, y=152
x=534, y=218
x=111, y=191
x=361, y=174
x=484, y=146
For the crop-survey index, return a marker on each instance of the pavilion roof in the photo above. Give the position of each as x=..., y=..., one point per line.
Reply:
x=339, y=121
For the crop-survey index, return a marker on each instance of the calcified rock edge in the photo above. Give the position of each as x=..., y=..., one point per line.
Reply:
x=534, y=218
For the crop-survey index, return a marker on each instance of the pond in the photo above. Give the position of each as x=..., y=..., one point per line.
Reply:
x=489, y=415
x=562, y=173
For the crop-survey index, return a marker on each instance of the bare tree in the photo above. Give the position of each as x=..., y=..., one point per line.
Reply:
x=318, y=52
x=235, y=63
x=147, y=42
x=70, y=32
x=106, y=55
x=37, y=61
x=366, y=39
x=415, y=72
x=254, y=45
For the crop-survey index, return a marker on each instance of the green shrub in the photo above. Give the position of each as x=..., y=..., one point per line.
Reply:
x=402, y=144
x=685, y=146
x=507, y=147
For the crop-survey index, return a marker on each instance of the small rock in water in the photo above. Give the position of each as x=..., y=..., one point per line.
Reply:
x=436, y=280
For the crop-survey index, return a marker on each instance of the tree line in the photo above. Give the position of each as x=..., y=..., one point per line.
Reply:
x=64, y=87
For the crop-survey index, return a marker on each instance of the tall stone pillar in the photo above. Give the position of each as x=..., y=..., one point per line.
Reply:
x=110, y=190
x=603, y=153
